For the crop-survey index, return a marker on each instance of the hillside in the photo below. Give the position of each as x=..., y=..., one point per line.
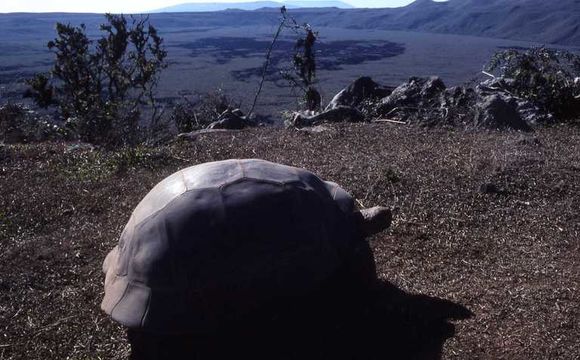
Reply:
x=549, y=22
x=534, y=20
x=554, y=22
x=511, y=258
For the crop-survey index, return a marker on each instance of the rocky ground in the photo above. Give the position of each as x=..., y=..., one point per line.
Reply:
x=488, y=221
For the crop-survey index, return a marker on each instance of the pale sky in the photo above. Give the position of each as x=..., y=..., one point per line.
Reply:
x=135, y=6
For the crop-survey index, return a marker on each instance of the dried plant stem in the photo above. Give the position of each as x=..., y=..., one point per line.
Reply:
x=266, y=65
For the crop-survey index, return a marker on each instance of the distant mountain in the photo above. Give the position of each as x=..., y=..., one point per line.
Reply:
x=542, y=21
x=318, y=4
x=199, y=7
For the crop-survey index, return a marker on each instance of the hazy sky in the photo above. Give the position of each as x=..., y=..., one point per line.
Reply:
x=127, y=6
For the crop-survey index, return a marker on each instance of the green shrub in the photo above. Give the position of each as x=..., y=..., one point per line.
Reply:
x=101, y=86
x=546, y=77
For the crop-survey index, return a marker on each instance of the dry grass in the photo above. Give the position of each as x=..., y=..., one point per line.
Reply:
x=511, y=258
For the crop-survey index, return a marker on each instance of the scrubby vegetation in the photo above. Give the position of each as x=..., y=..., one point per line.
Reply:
x=546, y=77
x=303, y=74
x=304, y=61
x=100, y=87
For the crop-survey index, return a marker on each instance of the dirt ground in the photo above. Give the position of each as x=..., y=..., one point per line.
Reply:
x=485, y=222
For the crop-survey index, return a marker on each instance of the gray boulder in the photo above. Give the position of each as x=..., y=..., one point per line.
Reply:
x=456, y=106
x=458, y=96
x=230, y=120
x=363, y=88
x=494, y=85
x=532, y=114
x=338, y=114
x=499, y=112
x=527, y=110
x=416, y=93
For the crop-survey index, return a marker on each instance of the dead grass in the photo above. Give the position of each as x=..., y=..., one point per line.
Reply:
x=511, y=258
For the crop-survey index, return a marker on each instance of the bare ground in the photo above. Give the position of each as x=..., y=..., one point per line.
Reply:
x=510, y=254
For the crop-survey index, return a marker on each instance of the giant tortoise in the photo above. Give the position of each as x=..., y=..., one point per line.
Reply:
x=214, y=242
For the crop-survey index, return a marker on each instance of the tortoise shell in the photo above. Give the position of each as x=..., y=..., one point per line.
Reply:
x=215, y=241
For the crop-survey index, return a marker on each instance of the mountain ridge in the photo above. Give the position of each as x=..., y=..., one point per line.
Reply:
x=253, y=5
x=549, y=22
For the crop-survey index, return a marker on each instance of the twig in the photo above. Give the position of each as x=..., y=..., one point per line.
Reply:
x=390, y=121
x=50, y=326
x=180, y=158
x=193, y=135
x=294, y=83
x=488, y=74
x=267, y=61
x=392, y=111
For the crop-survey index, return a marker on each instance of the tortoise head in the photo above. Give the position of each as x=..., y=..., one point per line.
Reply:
x=368, y=221
x=374, y=220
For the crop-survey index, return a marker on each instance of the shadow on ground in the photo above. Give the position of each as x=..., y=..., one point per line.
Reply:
x=387, y=323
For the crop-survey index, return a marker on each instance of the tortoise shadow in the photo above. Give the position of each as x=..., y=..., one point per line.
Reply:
x=385, y=322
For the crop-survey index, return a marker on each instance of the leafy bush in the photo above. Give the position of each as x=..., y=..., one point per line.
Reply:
x=100, y=86
x=546, y=77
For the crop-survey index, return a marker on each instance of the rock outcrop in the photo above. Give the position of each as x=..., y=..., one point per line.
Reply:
x=338, y=114
x=527, y=110
x=415, y=93
x=498, y=112
x=230, y=120
x=360, y=90
x=427, y=101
